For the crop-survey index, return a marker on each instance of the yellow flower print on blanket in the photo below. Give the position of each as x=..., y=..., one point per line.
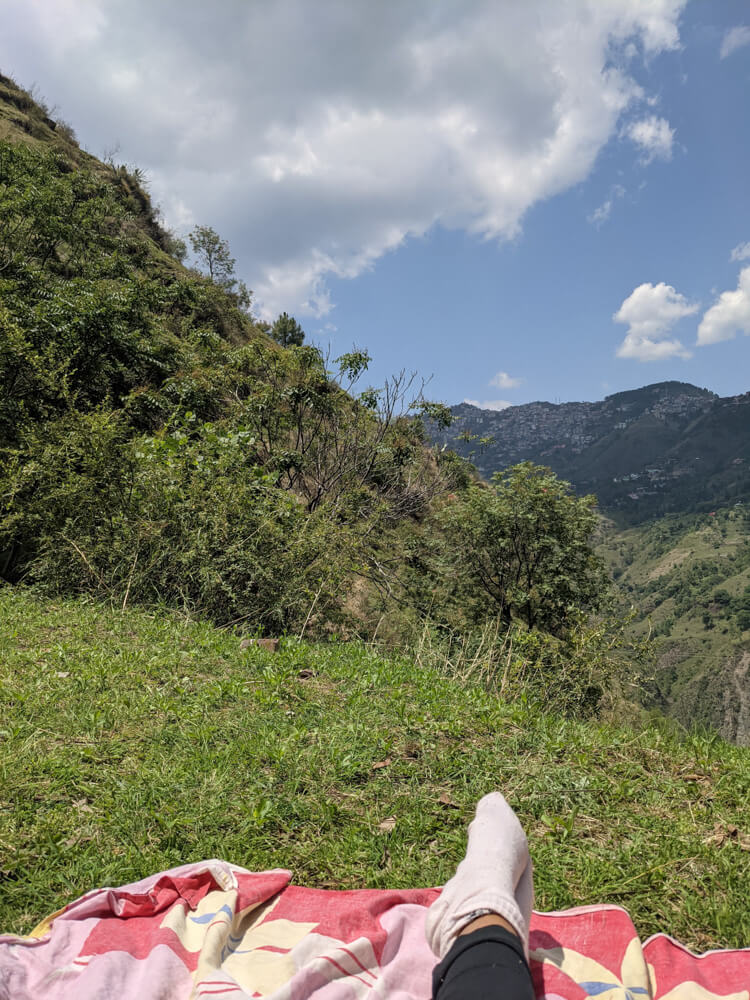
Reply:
x=244, y=947
x=631, y=983
x=636, y=979
x=261, y=953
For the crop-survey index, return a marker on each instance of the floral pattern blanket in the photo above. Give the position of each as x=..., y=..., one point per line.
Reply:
x=215, y=930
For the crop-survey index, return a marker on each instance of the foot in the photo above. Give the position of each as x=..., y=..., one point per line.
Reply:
x=495, y=876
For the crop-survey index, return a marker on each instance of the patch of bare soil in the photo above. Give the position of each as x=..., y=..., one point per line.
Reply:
x=670, y=560
x=737, y=701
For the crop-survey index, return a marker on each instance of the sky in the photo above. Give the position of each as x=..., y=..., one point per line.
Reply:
x=519, y=201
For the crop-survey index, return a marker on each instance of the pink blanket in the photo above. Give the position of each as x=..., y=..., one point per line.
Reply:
x=215, y=930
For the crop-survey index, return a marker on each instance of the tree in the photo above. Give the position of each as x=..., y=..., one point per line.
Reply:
x=525, y=544
x=287, y=331
x=213, y=254
x=215, y=258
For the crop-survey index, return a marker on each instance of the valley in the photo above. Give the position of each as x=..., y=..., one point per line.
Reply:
x=688, y=579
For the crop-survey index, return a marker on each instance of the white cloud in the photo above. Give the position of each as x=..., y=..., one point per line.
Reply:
x=735, y=38
x=505, y=381
x=317, y=137
x=600, y=215
x=654, y=136
x=728, y=315
x=740, y=252
x=490, y=404
x=650, y=312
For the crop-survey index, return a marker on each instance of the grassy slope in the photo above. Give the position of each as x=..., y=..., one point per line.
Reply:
x=131, y=742
x=23, y=119
x=655, y=556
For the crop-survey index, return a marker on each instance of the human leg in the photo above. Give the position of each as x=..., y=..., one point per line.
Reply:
x=485, y=964
x=479, y=925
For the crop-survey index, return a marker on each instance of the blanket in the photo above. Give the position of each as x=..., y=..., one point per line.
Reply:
x=215, y=930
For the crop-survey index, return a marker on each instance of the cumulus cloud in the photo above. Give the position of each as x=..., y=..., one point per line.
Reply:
x=728, y=315
x=318, y=137
x=490, y=404
x=505, y=381
x=740, y=252
x=650, y=312
x=654, y=137
x=735, y=38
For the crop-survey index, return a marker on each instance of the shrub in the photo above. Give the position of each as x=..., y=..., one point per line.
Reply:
x=522, y=548
x=595, y=664
x=185, y=518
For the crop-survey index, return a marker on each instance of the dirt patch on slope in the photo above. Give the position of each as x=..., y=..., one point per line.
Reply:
x=737, y=702
x=670, y=560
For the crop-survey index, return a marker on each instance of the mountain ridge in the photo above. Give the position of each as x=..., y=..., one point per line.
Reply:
x=667, y=447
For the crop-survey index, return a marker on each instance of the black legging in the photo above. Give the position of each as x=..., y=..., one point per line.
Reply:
x=487, y=964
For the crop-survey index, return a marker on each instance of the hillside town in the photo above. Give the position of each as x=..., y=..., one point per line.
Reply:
x=658, y=446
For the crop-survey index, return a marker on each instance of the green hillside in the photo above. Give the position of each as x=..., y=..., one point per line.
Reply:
x=132, y=742
x=160, y=446
x=689, y=578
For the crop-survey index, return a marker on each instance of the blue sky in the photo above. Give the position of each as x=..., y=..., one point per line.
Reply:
x=535, y=201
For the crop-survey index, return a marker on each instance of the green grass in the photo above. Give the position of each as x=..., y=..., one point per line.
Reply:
x=131, y=742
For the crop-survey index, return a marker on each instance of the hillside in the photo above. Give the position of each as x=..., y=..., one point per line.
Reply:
x=689, y=579
x=156, y=445
x=668, y=447
x=133, y=742
x=159, y=447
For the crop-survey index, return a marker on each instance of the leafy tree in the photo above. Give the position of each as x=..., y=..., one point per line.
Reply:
x=287, y=331
x=213, y=254
x=524, y=545
x=215, y=258
x=325, y=440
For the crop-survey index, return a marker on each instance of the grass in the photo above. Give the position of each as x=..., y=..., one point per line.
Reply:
x=131, y=742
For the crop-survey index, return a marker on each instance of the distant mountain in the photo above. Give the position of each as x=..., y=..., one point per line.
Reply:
x=668, y=447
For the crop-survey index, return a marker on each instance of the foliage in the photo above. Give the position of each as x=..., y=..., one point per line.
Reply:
x=689, y=578
x=215, y=258
x=593, y=669
x=186, y=518
x=287, y=331
x=156, y=448
x=91, y=310
x=524, y=545
x=213, y=254
x=328, y=442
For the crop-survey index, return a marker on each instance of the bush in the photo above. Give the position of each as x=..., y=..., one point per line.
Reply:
x=66, y=130
x=522, y=549
x=185, y=518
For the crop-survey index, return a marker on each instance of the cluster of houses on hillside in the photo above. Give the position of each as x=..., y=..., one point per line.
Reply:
x=651, y=480
x=547, y=427
x=598, y=446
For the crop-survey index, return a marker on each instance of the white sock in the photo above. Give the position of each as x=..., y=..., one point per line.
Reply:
x=495, y=875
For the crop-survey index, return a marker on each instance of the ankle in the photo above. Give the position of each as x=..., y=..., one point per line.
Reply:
x=487, y=920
